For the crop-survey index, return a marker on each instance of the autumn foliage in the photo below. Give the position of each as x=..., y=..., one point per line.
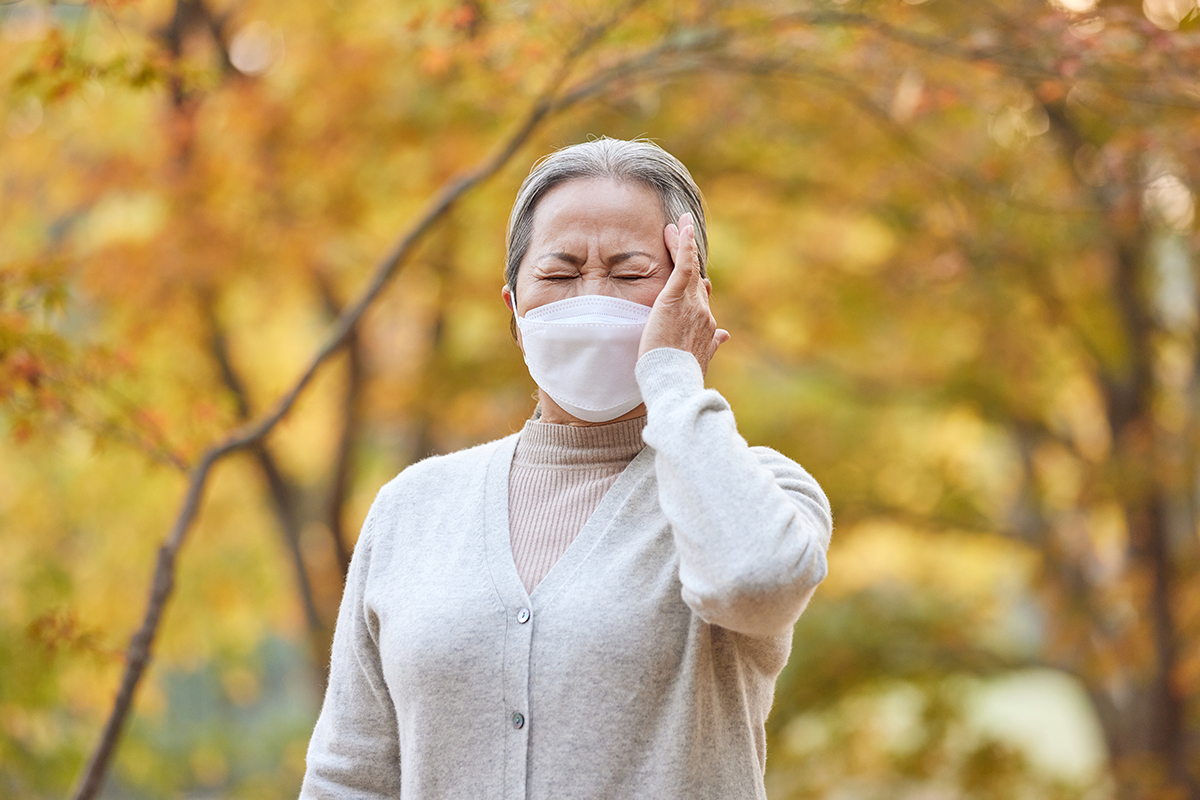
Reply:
x=955, y=244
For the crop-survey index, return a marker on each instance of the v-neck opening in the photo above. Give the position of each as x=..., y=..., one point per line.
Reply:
x=499, y=535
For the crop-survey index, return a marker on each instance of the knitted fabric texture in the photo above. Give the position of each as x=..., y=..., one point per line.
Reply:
x=643, y=665
x=559, y=474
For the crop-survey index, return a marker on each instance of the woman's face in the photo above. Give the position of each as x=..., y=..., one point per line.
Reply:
x=594, y=236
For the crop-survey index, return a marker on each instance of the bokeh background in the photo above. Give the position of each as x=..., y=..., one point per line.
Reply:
x=955, y=243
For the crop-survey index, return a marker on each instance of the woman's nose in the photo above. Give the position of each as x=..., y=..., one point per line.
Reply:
x=596, y=284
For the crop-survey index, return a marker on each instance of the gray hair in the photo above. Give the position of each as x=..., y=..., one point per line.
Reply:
x=638, y=161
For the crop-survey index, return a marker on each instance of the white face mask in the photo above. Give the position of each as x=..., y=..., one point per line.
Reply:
x=582, y=351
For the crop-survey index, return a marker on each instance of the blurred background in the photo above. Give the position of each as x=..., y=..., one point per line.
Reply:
x=955, y=243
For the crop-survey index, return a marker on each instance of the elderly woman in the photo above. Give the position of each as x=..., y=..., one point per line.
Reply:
x=597, y=606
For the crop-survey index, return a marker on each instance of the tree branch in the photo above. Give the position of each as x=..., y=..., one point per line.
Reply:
x=283, y=493
x=138, y=654
x=351, y=420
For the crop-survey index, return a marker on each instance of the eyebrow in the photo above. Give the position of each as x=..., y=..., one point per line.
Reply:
x=619, y=257
x=567, y=257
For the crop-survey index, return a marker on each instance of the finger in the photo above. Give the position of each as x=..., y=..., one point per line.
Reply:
x=688, y=254
x=677, y=282
x=719, y=338
x=687, y=236
x=671, y=239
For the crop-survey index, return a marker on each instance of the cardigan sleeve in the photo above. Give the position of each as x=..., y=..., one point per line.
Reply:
x=355, y=748
x=750, y=525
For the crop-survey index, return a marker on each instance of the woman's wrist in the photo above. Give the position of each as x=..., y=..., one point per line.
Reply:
x=667, y=371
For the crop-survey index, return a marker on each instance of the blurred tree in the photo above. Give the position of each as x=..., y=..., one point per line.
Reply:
x=955, y=244
x=1034, y=286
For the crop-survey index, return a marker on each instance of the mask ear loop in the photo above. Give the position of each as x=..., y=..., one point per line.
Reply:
x=512, y=321
x=512, y=329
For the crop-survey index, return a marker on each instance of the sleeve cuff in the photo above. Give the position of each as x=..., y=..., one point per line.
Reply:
x=665, y=372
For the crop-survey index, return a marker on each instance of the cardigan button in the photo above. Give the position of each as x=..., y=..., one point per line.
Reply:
x=518, y=720
x=523, y=616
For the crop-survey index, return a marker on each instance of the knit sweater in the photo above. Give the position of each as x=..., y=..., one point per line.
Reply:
x=559, y=474
x=643, y=665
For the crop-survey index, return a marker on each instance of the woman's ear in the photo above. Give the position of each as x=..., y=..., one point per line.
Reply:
x=509, y=301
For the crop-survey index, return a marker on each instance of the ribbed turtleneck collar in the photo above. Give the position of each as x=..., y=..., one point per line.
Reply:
x=543, y=444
